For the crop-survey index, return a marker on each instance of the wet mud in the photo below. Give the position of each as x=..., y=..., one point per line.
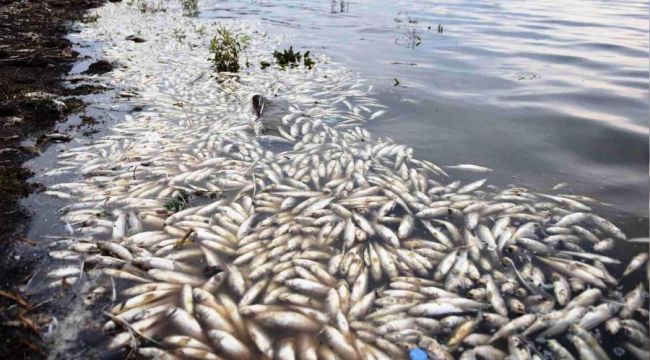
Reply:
x=34, y=54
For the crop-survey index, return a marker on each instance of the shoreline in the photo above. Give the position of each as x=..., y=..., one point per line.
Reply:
x=201, y=203
x=35, y=55
x=182, y=188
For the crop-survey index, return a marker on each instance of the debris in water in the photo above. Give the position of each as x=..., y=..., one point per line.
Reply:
x=135, y=39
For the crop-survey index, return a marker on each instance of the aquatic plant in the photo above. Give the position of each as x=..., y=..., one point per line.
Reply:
x=178, y=202
x=145, y=6
x=308, y=62
x=226, y=47
x=291, y=58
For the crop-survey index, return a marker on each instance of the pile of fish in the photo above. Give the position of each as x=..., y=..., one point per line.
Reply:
x=225, y=236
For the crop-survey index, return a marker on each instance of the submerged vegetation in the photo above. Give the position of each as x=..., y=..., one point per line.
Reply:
x=225, y=48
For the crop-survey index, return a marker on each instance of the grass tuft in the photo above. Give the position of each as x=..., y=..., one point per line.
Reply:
x=225, y=48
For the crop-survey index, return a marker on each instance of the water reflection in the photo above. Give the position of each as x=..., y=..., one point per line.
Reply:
x=340, y=6
x=520, y=86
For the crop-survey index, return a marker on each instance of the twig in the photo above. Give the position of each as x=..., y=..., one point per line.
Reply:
x=130, y=328
x=15, y=297
x=182, y=241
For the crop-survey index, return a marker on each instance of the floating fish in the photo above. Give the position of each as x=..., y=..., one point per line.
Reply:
x=313, y=238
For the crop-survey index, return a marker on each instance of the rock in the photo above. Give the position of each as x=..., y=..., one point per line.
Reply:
x=99, y=67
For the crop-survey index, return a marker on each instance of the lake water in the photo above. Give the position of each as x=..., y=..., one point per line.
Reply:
x=542, y=92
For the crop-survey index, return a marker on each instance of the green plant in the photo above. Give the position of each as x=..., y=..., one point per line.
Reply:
x=226, y=47
x=308, y=62
x=292, y=58
x=144, y=6
x=178, y=202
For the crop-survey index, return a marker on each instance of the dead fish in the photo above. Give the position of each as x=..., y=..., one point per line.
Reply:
x=470, y=168
x=636, y=263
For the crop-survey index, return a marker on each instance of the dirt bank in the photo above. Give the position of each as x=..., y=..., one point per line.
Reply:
x=33, y=56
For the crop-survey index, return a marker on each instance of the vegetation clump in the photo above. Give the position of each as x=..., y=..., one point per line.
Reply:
x=146, y=7
x=291, y=58
x=178, y=202
x=225, y=48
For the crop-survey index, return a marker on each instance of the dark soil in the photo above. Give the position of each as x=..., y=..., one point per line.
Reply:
x=33, y=56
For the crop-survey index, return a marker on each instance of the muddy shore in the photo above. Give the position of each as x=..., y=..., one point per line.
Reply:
x=34, y=54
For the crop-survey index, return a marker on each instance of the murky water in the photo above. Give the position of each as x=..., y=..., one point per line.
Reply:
x=541, y=93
